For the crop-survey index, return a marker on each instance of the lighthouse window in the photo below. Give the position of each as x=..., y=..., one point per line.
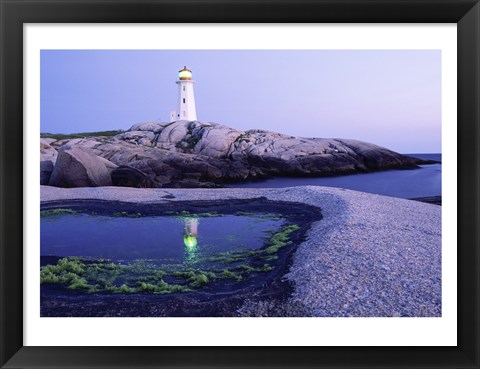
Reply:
x=184, y=100
x=183, y=88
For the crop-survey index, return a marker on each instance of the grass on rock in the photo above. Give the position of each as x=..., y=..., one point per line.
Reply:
x=61, y=136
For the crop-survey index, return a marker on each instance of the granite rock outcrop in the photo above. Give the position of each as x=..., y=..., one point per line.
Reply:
x=205, y=154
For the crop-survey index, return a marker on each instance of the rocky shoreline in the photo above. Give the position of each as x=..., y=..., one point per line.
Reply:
x=370, y=255
x=192, y=154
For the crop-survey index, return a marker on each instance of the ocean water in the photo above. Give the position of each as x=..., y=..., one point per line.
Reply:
x=423, y=182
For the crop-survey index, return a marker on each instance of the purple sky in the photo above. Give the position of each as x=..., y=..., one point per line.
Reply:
x=388, y=97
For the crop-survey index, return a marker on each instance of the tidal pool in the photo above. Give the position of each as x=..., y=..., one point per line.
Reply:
x=128, y=252
x=196, y=258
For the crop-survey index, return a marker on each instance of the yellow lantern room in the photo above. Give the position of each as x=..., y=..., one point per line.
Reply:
x=185, y=74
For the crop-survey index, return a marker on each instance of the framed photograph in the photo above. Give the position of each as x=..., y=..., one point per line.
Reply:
x=269, y=184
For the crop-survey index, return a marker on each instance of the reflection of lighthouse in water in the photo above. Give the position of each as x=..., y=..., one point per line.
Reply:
x=190, y=233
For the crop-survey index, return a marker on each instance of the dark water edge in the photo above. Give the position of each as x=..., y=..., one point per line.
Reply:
x=222, y=299
x=431, y=156
x=435, y=200
x=422, y=182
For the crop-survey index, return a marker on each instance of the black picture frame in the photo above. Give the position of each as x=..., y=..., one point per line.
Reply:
x=15, y=13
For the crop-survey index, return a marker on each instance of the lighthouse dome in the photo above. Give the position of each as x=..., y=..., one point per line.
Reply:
x=185, y=74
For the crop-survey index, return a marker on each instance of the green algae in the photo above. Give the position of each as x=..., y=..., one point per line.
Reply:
x=245, y=267
x=186, y=213
x=249, y=269
x=196, y=278
x=275, y=243
x=280, y=239
x=80, y=283
x=226, y=273
x=162, y=288
x=68, y=271
x=56, y=212
x=269, y=216
x=143, y=276
x=230, y=257
x=270, y=257
x=124, y=214
x=100, y=277
x=122, y=289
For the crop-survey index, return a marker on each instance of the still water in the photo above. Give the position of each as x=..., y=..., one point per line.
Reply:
x=165, y=239
x=423, y=182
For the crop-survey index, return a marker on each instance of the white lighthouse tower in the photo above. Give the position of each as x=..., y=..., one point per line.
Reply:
x=186, y=99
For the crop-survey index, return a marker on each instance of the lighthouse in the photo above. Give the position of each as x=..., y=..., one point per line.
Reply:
x=186, y=99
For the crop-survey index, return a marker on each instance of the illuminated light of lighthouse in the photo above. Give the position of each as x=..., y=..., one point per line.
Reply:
x=185, y=74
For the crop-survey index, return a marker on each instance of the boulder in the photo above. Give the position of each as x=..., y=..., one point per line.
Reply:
x=46, y=169
x=136, y=135
x=174, y=133
x=216, y=141
x=76, y=167
x=147, y=126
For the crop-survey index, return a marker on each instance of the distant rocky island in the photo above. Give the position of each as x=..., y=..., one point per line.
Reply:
x=193, y=154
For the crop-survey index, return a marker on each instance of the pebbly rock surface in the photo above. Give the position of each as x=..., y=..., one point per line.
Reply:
x=204, y=154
